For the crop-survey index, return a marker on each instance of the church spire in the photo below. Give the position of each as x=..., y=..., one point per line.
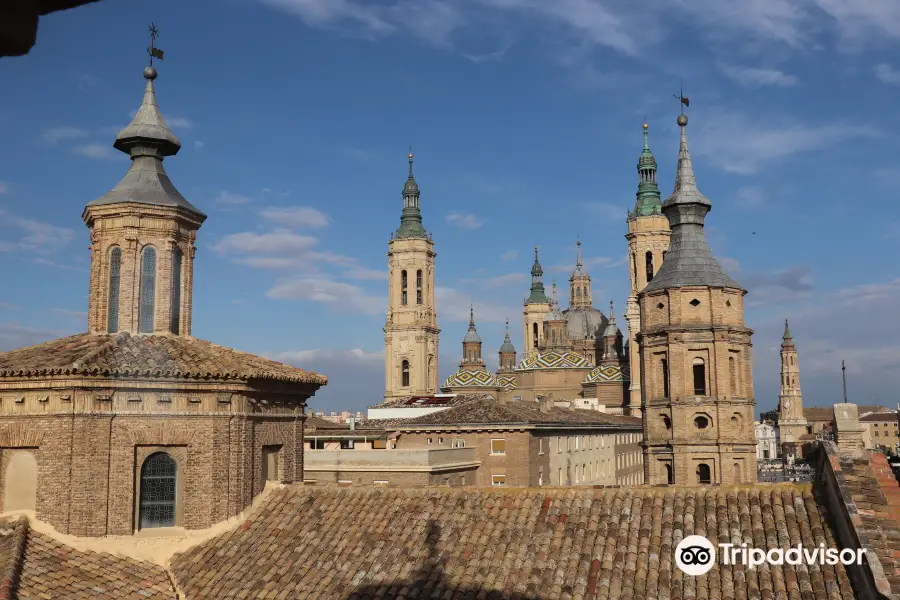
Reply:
x=411, y=218
x=579, y=283
x=647, y=202
x=788, y=340
x=689, y=260
x=538, y=295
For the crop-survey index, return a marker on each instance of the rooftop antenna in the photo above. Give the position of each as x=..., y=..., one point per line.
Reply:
x=152, y=50
x=844, y=375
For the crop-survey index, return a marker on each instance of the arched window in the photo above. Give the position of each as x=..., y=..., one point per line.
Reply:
x=670, y=474
x=20, y=480
x=148, y=290
x=419, y=286
x=404, y=373
x=664, y=366
x=732, y=375
x=736, y=422
x=176, y=290
x=115, y=278
x=535, y=329
x=703, y=473
x=578, y=292
x=701, y=421
x=667, y=422
x=699, y=368
x=584, y=290
x=738, y=478
x=403, y=287
x=648, y=259
x=159, y=491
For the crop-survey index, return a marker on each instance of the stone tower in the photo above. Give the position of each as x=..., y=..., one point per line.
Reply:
x=507, y=355
x=142, y=236
x=698, y=406
x=472, y=346
x=648, y=241
x=537, y=305
x=411, y=331
x=579, y=284
x=791, y=422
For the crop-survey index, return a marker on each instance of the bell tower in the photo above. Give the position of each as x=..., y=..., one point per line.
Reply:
x=410, y=331
x=537, y=305
x=791, y=422
x=648, y=241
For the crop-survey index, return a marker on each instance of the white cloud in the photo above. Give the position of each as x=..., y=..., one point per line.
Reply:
x=338, y=296
x=79, y=314
x=771, y=288
x=886, y=74
x=232, y=199
x=509, y=255
x=198, y=145
x=58, y=134
x=34, y=236
x=15, y=335
x=296, y=216
x=355, y=376
x=453, y=306
x=359, y=272
x=179, y=123
x=752, y=77
x=276, y=242
x=94, y=151
x=739, y=143
x=465, y=220
x=750, y=197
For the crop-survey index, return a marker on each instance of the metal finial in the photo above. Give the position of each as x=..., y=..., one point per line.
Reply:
x=410, y=162
x=153, y=52
x=685, y=102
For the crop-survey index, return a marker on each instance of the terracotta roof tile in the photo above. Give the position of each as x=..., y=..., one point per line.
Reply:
x=345, y=543
x=126, y=355
x=880, y=417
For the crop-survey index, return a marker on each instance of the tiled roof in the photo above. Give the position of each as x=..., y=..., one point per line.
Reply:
x=608, y=373
x=491, y=412
x=430, y=401
x=554, y=360
x=614, y=544
x=320, y=423
x=880, y=417
x=127, y=355
x=826, y=413
x=36, y=566
x=474, y=378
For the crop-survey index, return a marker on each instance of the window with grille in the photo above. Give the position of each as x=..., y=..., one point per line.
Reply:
x=176, y=290
x=404, y=375
x=159, y=475
x=403, y=283
x=115, y=270
x=148, y=290
x=419, y=286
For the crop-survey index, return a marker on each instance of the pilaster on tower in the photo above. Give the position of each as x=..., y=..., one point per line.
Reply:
x=411, y=331
x=791, y=422
x=537, y=305
x=648, y=241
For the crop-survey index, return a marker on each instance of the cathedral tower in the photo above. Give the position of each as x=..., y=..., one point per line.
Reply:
x=142, y=236
x=537, y=305
x=698, y=406
x=411, y=331
x=791, y=422
x=579, y=284
x=648, y=240
x=507, y=355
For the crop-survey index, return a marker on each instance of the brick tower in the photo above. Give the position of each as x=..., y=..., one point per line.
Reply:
x=791, y=422
x=695, y=351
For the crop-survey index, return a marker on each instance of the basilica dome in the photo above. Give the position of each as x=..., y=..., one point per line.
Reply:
x=554, y=360
x=584, y=323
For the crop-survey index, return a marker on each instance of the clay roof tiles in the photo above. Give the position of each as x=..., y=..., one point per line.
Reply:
x=127, y=355
x=360, y=543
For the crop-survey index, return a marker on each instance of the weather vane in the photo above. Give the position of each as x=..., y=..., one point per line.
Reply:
x=152, y=50
x=681, y=97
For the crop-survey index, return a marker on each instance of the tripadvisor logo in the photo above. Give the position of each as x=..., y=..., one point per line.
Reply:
x=695, y=555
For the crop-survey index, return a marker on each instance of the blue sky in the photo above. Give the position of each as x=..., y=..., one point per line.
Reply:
x=525, y=118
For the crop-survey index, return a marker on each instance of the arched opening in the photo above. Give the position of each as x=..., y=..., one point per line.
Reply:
x=738, y=477
x=704, y=474
x=699, y=368
x=176, y=290
x=664, y=255
x=732, y=375
x=159, y=491
x=664, y=366
x=404, y=373
x=578, y=293
x=667, y=422
x=419, y=286
x=670, y=474
x=736, y=422
x=115, y=272
x=403, y=285
x=648, y=259
x=701, y=421
x=535, y=329
x=20, y=481
x=634, y=270
x=148, y=290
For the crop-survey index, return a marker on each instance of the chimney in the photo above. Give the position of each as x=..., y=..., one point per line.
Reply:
x=545, y=404
x=352, y=422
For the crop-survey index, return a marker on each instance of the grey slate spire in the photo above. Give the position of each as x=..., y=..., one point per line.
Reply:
x=507, y=347
x=611, y=329
x=148, y=140
x=788, y=340
x=555, y=314
x=472, y=335
x=538, y=295
x=689, y=260
x=579, y=266
x=411, y=218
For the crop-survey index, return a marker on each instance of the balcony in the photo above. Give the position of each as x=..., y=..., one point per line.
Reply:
x=413, y=460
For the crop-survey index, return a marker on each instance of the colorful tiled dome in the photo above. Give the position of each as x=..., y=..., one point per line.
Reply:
x=554, y=360
x=508, y=382
x=607, y=374
x=471, y=378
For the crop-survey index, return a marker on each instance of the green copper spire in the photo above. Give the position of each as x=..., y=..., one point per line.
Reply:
x=538, y=295
x=411, y=219
x=648, y=202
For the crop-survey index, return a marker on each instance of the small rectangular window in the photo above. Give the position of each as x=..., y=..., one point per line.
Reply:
x=379, y=445
x=316, y=444
x=498, y=446
x=441, y=441
x=498, y=479
x=345, y=481
x=429, y=441
x=540, y=445
x=346, y=444
x=380, y=482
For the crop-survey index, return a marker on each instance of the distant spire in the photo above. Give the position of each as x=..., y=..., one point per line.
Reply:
x=472, y=334
x=689, y=260
x=538, y=295
x=471, y=316
x=612, y=329
x=507, y=347
x=648, y=196
x=411, y=218
x=579, y=266
x=787, y=332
